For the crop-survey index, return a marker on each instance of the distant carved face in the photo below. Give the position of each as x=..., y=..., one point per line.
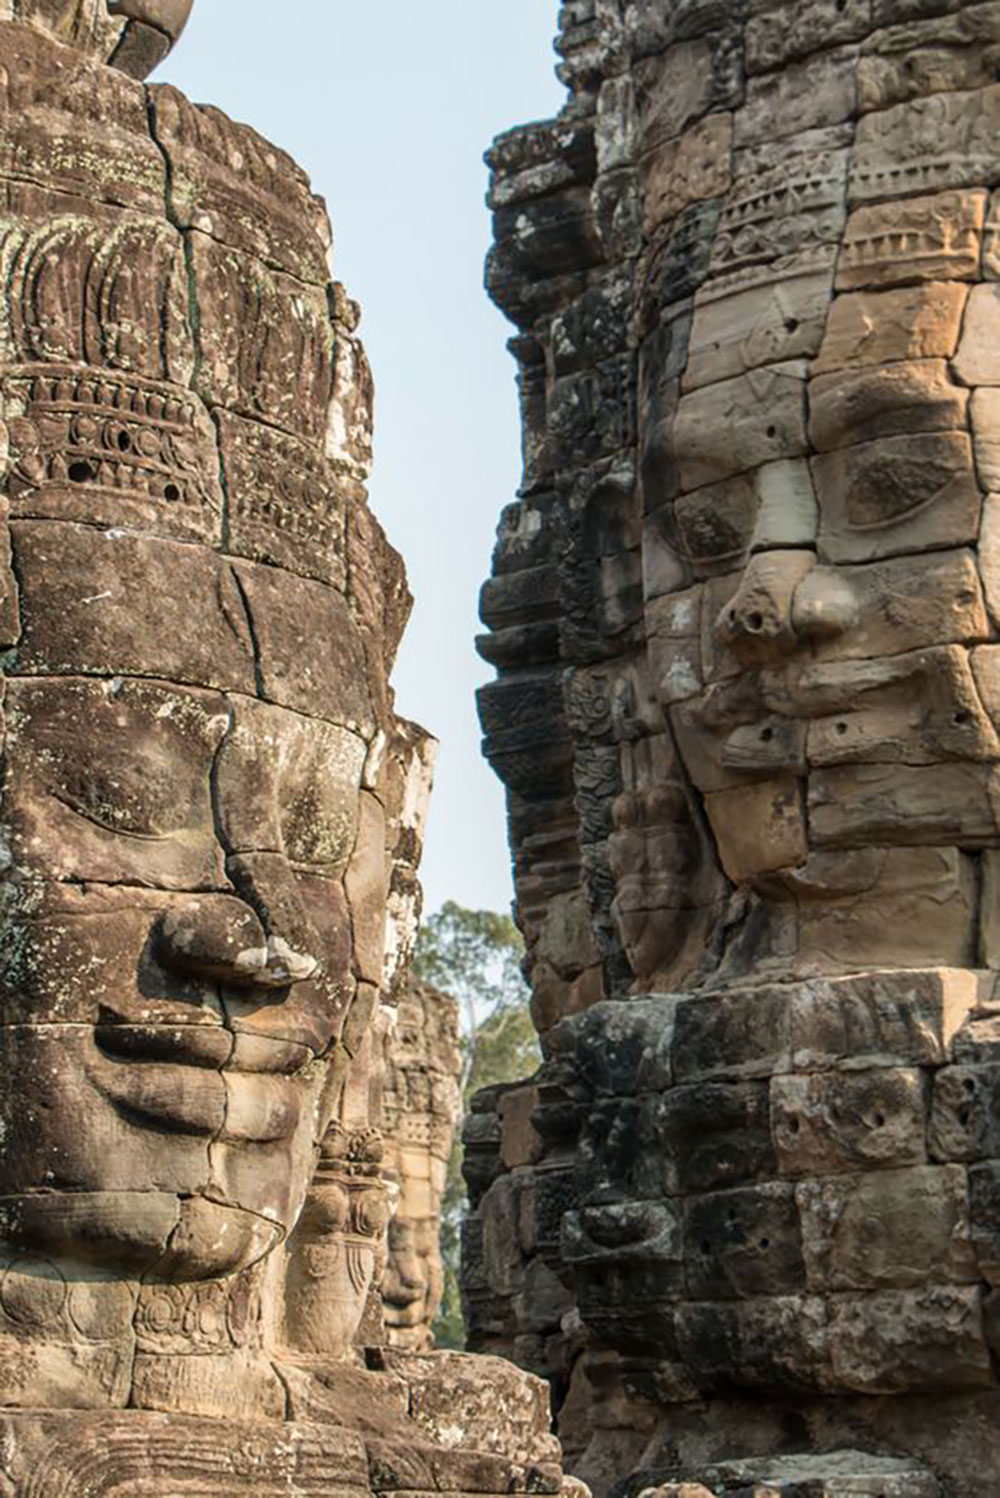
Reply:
x=820, y=553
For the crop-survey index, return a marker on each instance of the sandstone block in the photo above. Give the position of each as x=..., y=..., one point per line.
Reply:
x=785, y=213
x=70, y=146
x=984, y=410
x=854, y=406
x=898, y=1229
x=693, y=167
x=884, y=724
x=989, y=910
x=755, y=622
x=759, y=827
x=914, y=239
x=709, y=1136
x=928, y=57
x=131, y=453
x=739, y=329
x=777, y=1342
x=319, y=672
x=989, y=553
x=366, y=886
x=84, y=953
x=711, y=527
x=917, y=906
x=621, y=1048
x=743, y=1243
x=903, y=604
x=927, y=145
x=520, y=1143
x=977, y=361
x=749, y=752
x=273, y=766
x=991, y=240
x=156, y=741
x=782, y=30
x=632, y=1233
x=285, y=504
x=108, y=1447
x=878, y=1019
x=691, y=79
x=230, y=183
x=896, y=494
x=738, y=1035
x=965, y=1117
x=897, y=1342
x=858, y=805
x=762, y=414
x=633, y=1307
x=812, y=94
x=876, y=327
x=288, y=383
x=984, y=1218
x=503, y=1260
x=825, y=1123
x=93, y=603
x=787, y=514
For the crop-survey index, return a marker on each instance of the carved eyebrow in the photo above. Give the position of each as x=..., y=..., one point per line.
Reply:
x=80, y=810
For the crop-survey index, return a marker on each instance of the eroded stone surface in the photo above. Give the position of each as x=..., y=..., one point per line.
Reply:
x=211, y=819
x=744, y=613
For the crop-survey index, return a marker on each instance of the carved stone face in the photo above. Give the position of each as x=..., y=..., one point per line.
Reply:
x=201, y=786
x=817, y=438
x=421, y=1106
x=178, y=964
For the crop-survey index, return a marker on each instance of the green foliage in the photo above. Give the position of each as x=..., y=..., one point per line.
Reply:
x=476, y=956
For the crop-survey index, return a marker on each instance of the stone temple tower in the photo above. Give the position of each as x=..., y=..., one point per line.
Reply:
x=745, y=614
x=210, y=822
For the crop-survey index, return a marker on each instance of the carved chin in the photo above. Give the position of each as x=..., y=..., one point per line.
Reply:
x=153, y=1233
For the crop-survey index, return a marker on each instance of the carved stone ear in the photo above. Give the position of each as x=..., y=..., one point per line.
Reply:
x=152, y=28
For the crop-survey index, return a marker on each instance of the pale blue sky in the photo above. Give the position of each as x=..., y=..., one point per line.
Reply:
x=389, y=106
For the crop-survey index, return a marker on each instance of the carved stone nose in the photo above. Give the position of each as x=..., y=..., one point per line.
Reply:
x=223, y=939
x=824, y=605
x=757, y=621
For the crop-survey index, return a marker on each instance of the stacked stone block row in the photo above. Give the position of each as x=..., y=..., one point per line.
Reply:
x=801, y=1185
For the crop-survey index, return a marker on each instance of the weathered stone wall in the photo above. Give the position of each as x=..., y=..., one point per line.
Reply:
x=745, y=619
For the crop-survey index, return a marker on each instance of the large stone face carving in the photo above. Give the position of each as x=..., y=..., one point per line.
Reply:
x=745, y=618
x=210, y=819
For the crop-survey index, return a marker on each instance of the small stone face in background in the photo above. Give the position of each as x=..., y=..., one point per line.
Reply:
x=420, y=1109
x=744, y=613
